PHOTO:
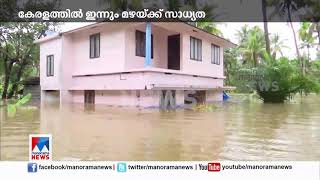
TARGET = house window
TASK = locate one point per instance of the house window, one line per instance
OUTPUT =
(215, 54)
(195, 49)
(50, 65)
(95, 46)
(141, 44)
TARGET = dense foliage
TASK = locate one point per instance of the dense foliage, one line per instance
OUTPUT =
(273, 77)
(281, 78)
(19, 55)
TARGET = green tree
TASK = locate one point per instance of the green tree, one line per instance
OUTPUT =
(306, 36)
(252, 46)
(231, 65)
(210, 27)
(264, 5)
(312, 14)
(277, 45)
(311, 10)
(208, 7)
(18, 53)
(265, 25)
(10, 8)
(242, 34)
(282, 79)
(307, 39)
(173, 5)
(315, 28)
(285, 8)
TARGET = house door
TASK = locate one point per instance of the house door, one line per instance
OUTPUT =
(89, 96)
(174, 52)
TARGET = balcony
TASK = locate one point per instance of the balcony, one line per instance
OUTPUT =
(146, 79)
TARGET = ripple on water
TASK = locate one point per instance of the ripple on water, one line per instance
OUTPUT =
(233, 131)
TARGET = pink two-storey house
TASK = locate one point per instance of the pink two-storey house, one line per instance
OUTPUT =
(132, 64)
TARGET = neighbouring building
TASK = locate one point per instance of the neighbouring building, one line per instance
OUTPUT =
(32, 86)
(133, 64)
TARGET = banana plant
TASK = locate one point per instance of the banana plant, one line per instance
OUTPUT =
(12, 108)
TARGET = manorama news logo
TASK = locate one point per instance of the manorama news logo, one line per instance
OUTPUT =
(40, 147)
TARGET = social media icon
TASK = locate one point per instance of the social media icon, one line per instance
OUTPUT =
(32, 167)
(215, 167)
(121, 167)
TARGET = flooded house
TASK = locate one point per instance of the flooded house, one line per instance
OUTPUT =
(133, 64)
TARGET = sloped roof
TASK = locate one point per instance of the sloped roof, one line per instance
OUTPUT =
(226, 42)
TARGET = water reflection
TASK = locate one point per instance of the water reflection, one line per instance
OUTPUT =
(234, 131)
(14, 139)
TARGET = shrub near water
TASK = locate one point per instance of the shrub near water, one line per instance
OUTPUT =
(204, 107)
(282, 79)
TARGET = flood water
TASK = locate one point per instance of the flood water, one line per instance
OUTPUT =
(236, 130)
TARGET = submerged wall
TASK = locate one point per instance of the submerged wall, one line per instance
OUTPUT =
(139, 98)
(214, 96)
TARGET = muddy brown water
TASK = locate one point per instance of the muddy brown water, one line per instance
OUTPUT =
(237, 130)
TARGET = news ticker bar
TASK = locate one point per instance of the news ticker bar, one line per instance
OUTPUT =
(154, 169)
(156, 11)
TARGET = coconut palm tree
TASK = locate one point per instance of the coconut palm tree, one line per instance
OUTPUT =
(286, 8)
(312, 14)
(243, 33)
(277, 45)
(173, 5)
(315, 27)
(264, 5)
(306, 37)
(253, 46)
(210, 27)
(308, 41)
(193, 5)
(265, 24)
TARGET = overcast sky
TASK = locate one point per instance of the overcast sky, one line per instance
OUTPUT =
(230, 30)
